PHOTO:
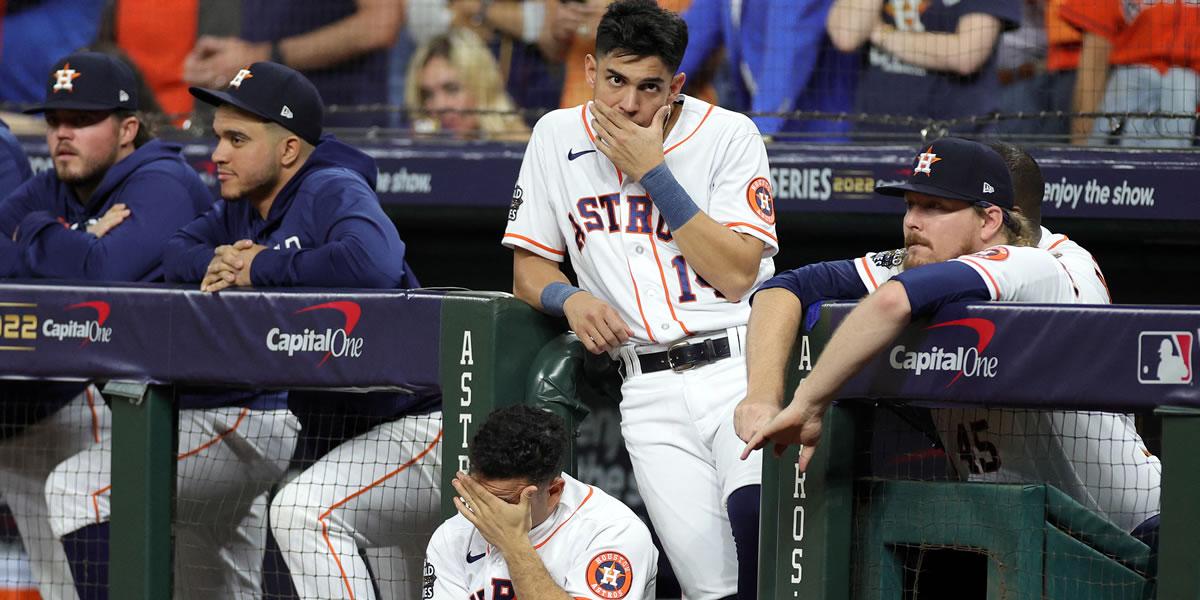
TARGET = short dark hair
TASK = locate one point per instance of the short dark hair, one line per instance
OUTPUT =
(519, 442)
(642, 28)
(1028, 185)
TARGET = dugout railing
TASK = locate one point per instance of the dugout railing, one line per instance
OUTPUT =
(832, 532)
(477, 347)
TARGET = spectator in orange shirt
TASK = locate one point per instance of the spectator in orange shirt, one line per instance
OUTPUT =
(1153, 48)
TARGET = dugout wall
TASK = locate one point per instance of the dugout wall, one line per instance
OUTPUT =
(476, 346)
(840, 530)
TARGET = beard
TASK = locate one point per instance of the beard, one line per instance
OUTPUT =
(251, 188)
(926, 254)
(83, 171)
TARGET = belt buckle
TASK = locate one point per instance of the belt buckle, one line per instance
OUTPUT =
(680, 367)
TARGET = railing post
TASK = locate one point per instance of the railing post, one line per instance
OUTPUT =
(1179, 529)
(144, 444)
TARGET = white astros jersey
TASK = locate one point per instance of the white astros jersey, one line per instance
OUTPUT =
(571, 201)
(1085, 273)
(593, 546)
(1096, 458)
(1010, 273)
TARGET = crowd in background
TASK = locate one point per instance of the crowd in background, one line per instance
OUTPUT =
(489, 68)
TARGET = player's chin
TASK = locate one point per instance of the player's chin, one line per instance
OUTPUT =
(917, 256)
(230, 190)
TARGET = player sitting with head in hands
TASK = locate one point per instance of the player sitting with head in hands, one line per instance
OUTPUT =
(663, 205)
(525, 529)
(965, 239)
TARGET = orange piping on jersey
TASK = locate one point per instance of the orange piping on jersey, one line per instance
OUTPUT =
(754, 227)
(867, 270)
(638, 296)
(985, 272)
(583, 117)
(1055, 244)
(591, 490)
(689, 136)
(325, 515)
(542, 246)
(95, 419)
(96, 501)
(202, 447)
(666, 290)
(192, 452)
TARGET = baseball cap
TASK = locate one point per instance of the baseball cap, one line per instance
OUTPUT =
(960, 170)
(276, 93)
(89, 81)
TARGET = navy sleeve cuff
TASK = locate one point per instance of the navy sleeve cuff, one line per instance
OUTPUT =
(833, 280)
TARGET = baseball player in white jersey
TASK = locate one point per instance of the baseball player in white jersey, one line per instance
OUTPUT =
(527, 530)
(1097, 458)
(663, 205)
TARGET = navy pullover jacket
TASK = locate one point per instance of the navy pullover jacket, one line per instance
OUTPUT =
(14, 165)
(161, 191)
(324, 229)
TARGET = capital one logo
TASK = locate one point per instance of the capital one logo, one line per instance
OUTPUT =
(335, 343)
(966, 361)
(87, 331)
(1165, 357)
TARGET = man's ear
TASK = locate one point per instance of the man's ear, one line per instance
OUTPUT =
(589, 69)
(677, 84)
(292, 147)
(127, 130)
(556, 487)
(990, 231)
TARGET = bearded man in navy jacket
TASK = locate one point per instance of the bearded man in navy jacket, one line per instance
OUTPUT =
(103, 213)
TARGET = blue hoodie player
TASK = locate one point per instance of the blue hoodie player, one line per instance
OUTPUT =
(300, 209)
(103, 213)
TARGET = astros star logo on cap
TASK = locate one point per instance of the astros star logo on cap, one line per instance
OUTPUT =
(241, 75)
(925, 161)
(64, 78)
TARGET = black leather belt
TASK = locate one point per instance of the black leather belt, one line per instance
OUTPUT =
(683, 355)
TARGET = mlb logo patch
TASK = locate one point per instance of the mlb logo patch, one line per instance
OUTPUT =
(1165, 357)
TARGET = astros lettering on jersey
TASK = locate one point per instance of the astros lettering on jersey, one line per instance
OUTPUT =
(592, 545)
(571, 201)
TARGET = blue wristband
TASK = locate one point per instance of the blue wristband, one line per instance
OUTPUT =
(555, 295)
(670, 197)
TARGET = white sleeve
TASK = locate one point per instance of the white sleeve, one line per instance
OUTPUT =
(620, 562)
(532, 223)
(876, 268)
(743, 195)
(443, 577)
(1022, 274)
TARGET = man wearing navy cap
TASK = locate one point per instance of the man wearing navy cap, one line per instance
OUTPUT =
(102, 214)
(963, 241)
(299, 209)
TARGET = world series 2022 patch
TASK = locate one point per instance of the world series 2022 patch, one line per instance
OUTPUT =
(610, 575)
(761, 200)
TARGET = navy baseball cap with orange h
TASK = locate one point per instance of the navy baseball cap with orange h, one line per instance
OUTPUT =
(274, 92)
(958, 169)
(89, 81)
